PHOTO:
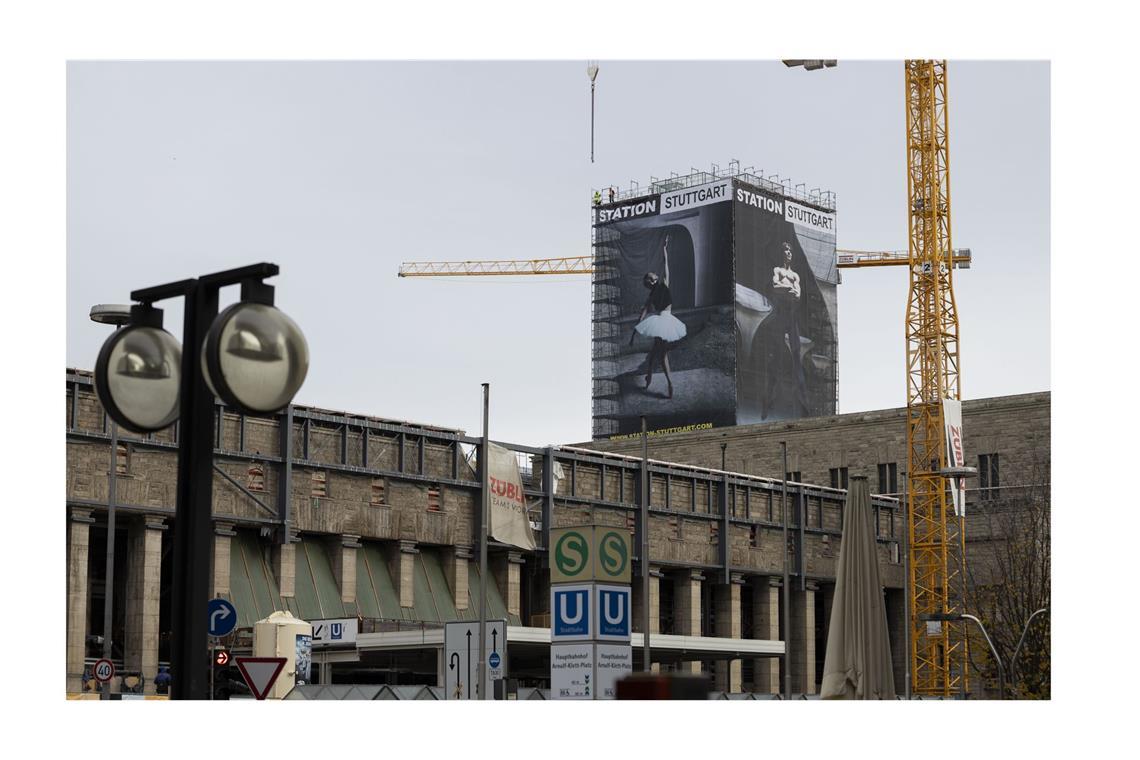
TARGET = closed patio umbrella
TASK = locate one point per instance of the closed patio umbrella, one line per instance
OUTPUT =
(858, 660)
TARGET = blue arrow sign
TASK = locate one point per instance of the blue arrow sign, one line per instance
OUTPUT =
(223, 617)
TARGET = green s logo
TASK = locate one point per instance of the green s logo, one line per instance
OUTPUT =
(613, 554)
(571, 553)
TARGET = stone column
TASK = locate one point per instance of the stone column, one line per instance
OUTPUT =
(687, 608)
(726, 597)
(285, 565)
(766, 625)
(507, 570)
(79, 534)
(458, 576)
(802, 638)
(654, 607)
(144, 586)
(344, 567)
(223, 532)
(403, 569)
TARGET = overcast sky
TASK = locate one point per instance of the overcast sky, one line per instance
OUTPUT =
(339, 171)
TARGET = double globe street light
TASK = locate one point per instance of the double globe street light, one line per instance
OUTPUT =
(254, 358)
(251, 356)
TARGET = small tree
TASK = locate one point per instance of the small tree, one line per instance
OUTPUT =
(1009, 572)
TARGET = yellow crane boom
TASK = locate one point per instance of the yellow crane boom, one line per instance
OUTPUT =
(584, 264)
(487, 268)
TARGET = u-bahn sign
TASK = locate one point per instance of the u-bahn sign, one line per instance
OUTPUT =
(588, 553)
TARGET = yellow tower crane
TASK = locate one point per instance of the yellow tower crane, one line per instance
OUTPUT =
(936, 534)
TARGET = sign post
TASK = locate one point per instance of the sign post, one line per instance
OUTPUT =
(466, 653)
(590, 611)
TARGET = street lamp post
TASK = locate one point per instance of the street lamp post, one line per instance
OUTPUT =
(117, 315)
(643, 550)
(952, 616)
(787, 588)
(251, 356)
(1020, 641)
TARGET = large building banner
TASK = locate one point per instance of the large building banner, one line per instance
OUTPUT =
(955, 454)
(663, 312)
(508, 518)
(785, 307)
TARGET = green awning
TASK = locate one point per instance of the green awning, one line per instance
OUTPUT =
(496, 608)
(253, 587)
(316, 589)
(376, 594)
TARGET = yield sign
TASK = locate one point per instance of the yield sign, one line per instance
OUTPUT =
(260, 673)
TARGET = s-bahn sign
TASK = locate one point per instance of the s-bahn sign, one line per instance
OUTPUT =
(588, 553)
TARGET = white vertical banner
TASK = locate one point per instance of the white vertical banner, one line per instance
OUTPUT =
(508, 520)
(955, 454)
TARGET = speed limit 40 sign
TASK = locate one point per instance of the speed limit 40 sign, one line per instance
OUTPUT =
(104, 670)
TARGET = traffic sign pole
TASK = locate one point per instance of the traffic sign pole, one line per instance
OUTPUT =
(485, 460)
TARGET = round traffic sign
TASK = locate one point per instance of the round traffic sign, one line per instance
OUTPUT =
(222, 616)
(104, 670)
(494, 660)
(221, 657)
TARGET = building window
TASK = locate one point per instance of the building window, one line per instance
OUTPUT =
(123, 459)
(255, 478)
(754, 536)
(839, 477)
(675, 528)
(714, 532)
(889, 478)
(794, 476)
(320, 486)
(631, 523)
(378, 488)
(988, 474)
(434, 502)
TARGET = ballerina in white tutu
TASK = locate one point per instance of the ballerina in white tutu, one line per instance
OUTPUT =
(657, 322)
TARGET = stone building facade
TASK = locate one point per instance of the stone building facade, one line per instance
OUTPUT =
(332, 515)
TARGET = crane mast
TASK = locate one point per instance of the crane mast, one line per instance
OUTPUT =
(936, 534)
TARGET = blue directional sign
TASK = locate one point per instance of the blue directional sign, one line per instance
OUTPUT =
(570, 612)
(613, 613)
(223, 617)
